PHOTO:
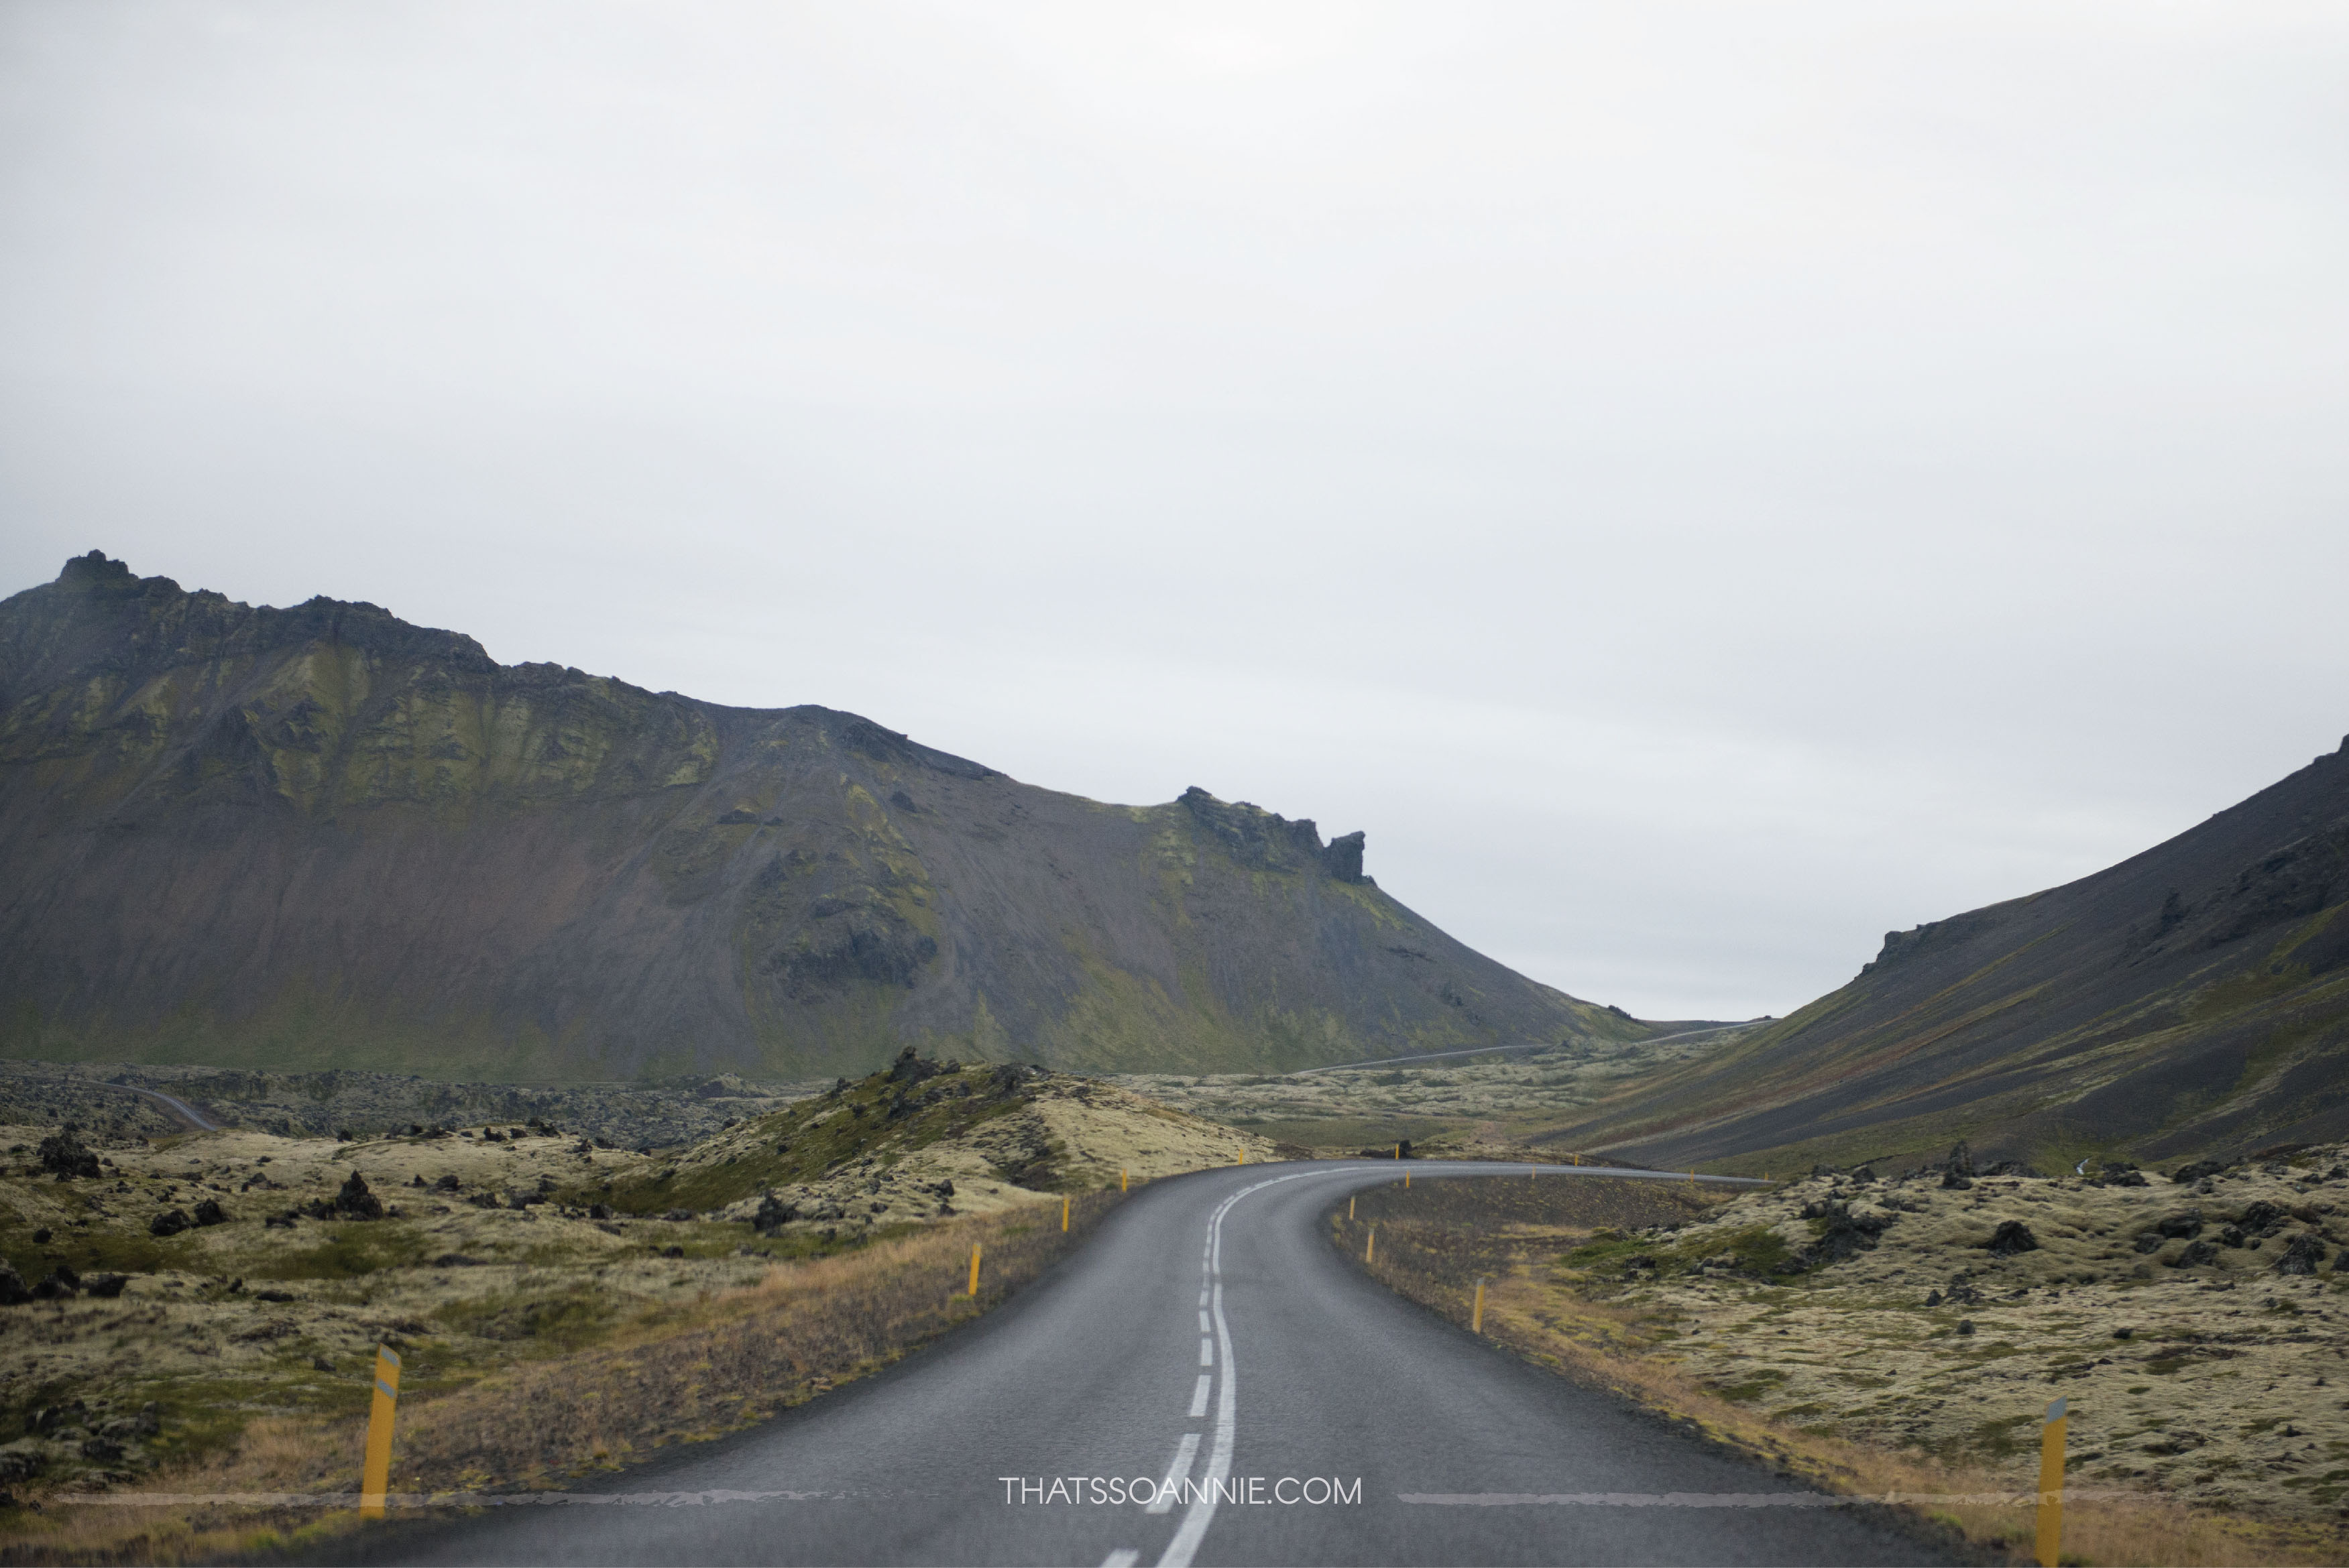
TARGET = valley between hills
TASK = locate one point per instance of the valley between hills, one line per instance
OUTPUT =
(356, 989)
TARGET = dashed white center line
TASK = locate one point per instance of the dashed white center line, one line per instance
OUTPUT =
(1204, 1326)
(1178, 1471)
(1199, 1396)
(1124, 1557)
(1206, 1353)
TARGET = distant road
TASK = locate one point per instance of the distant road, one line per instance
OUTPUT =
(173, 1103)
(1209, 1333)
(1490, 1050)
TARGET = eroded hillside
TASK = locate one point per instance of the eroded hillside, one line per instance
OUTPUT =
(2192, 999)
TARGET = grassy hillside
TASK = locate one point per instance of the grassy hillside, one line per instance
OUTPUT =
(321, 838)
(2191, 1000)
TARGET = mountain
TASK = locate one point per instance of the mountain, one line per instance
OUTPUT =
(2191, 1000)
(322, 837)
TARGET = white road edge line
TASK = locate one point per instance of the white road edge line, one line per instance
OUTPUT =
(1178, 1471)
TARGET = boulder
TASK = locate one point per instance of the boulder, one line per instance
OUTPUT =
(2012, 1237)
(106, 1286)
(57, 1285)
(210, 1212)
(354, 1202)
(169, 1224)
(13, 1291)
(63, 1155)
(2305, 1255)
(2261, 1219)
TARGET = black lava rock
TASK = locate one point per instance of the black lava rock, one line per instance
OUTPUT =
(63, 1155)
(2012, 1237)
(2305, 1255)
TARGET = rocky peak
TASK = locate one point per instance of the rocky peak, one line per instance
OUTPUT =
(1264, 839)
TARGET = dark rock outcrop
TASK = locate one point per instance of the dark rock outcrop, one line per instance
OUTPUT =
(62, 1154)
(2303, 1254)
(2011, 1238)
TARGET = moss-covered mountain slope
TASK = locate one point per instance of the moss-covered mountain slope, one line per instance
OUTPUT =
(321, 836)
(2193, 999)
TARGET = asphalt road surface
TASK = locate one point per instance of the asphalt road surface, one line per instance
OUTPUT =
(1208, 1332)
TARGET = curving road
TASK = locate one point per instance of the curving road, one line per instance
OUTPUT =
(1210, 1334)
(173, 1103)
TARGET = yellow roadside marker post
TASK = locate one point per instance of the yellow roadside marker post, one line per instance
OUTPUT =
(1371, 1245)
(974, 1270)
(1406, 1180)
(1350, 1205)
(1064, 1212)
(1476, 1318)
(1121, 1178)
(375, 1480)
(2051, 1486)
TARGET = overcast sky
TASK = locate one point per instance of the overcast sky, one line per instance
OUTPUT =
(1700, 484)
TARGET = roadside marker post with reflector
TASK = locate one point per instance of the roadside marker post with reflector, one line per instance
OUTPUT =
(376, 1480)
(2051, 1486)
(974, 1270)
(1476, 1318)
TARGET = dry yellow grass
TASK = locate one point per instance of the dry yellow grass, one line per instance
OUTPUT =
(677, 1374)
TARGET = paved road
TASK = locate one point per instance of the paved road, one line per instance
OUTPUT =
(1209, 1331)
(1490, 1050)
(173, 1102)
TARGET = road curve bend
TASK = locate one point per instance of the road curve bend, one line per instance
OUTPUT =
(1206, 1382)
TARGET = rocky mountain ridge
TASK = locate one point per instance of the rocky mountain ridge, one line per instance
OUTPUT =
(321, 836)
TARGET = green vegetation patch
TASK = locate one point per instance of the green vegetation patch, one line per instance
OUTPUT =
(1756, 1249)
(565, 1320)
(879, 1116)
(356, 1248)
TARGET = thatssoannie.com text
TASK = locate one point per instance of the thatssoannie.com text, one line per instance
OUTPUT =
(1287, 1491)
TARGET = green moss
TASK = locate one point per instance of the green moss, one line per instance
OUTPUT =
(563, 1321)
(354, 1249)
(802, 1142)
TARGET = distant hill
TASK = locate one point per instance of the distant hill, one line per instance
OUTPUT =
(2194, 999)
(321, 836)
